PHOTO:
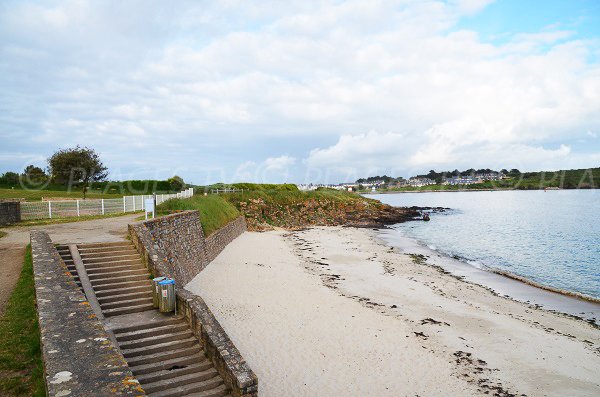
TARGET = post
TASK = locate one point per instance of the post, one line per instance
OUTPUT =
(124, 205)
(133, 197)
(77, 207)
(102, 201)
(154, 209)
(50, 209)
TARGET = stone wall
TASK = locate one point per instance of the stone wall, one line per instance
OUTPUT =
(10, 212)
(175, 246)
(237, 375)
(172, 245)
(216, 242)
(79, 357)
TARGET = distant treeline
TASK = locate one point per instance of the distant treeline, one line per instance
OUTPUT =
(43, 182)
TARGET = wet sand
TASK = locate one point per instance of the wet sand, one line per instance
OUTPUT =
(335, 311)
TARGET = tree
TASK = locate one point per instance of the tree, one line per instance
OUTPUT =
(176, 183)
(34, 174)
(10, 178)
(78, 165)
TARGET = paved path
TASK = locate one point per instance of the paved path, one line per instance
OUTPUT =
(12, 246)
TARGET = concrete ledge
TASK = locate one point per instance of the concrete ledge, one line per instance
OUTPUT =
(79, 357)
(228, 361)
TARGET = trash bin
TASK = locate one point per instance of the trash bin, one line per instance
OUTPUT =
(156, 290)
(167, 295)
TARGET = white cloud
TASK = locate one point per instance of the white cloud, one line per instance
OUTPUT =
(225, 80)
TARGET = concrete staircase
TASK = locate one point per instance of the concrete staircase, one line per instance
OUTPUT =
(159, 348)
(120, 281)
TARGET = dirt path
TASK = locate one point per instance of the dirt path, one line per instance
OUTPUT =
(12, 246)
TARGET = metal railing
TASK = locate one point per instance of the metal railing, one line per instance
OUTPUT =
(67, 208)
(227, 190)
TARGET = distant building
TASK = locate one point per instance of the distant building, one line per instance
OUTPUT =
(420, 182)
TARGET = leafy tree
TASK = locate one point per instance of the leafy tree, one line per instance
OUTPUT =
(78, 165)
(34, 174)
(176, 183)
(10, 178)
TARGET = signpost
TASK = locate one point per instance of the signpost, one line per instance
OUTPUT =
(149, 206)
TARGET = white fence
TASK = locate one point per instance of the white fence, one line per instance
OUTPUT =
(66, 208)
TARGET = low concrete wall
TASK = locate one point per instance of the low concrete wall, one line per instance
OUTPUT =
(216, 242)
(228, 361)
(79, 357)
(10, 212)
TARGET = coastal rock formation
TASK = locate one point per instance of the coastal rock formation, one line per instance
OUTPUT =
(261, 215)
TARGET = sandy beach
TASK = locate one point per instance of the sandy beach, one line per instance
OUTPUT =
(335, 311)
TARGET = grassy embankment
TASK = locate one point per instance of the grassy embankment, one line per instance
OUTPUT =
(21, 369)
(268, 207)
(563, 179)
(215, 211)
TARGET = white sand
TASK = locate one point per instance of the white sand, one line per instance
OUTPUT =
(329, 329)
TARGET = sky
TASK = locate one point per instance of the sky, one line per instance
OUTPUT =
(301, 91)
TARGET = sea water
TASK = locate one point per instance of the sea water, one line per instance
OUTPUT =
(549, 237)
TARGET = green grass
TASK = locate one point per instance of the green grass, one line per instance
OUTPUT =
(70, 219)
(294, 197)
(36, 195)
(215, 212)
(21, 368)
(2, 234)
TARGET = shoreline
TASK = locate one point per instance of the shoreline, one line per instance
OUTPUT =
(337, 311)
(502, 283)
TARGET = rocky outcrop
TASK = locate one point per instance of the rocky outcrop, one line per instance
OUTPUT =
(262, 215)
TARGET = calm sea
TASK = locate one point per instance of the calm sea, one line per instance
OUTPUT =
(552, 238)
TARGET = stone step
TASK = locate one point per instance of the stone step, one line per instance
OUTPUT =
(146, 333)
(156, 339)
(104, 245)
(107, 269)
(111, 258)
(164, 356)
(127, 310)
(167, 365)
(147, 326)
(212, 388)
(121, 284)
(109, 264)
(118, 273)
(120, 279)
(125, 297)
(210, 376)
(173, 372)
(123, 291)
(160, 347)
(87, 255)
(220, 391)
(126, 303)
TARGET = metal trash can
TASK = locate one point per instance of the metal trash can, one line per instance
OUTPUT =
(156, 290)
(167, 295)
